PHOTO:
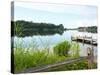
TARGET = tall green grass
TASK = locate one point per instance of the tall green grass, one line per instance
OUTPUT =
(33, 57)
(24, 60)
(62, 48)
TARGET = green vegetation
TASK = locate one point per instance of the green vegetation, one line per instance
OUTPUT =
(62, 48)
(29, 59)
(32, 57)
(81, 65)
(92, 29)
(75, 49)
(26, 28)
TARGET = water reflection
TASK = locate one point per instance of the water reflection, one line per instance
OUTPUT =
(42, 33)
(43, 40)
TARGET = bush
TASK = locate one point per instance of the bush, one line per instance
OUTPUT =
(62, 48)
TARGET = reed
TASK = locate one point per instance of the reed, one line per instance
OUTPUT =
(24, 60)
(30, 57)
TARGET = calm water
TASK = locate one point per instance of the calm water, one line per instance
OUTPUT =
(52, 40)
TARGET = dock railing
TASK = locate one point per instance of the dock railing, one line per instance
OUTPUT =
(84, 39)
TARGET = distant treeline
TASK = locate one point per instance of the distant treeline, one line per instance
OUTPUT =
(92, 29)
(28, 28)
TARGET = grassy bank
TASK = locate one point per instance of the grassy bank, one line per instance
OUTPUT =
(24, 60)
(32, 57)
(82, 65)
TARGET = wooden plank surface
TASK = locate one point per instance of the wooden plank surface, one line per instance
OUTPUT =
(86, 40)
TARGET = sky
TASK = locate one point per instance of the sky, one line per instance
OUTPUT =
(71, 16)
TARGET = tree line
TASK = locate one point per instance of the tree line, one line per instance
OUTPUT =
(92, 29)
(22, 28)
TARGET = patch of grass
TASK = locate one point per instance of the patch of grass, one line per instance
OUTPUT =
(32, 57)
(62, 48)
(24, 59)
(82, 65)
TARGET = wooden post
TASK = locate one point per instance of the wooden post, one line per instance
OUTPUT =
(71, 38)
(92, 50)
(91, 41)
(83, 40)
(90, 58)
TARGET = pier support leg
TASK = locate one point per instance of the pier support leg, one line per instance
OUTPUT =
(90, 59)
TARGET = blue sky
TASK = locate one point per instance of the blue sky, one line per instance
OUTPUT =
(71, 16)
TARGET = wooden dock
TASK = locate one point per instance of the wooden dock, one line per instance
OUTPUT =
(84, 39)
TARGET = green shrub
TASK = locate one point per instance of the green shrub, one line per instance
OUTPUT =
(62, 48)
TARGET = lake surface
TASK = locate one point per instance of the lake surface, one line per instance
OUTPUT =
(48, 41)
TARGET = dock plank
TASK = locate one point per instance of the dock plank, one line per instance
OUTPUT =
(85, 39)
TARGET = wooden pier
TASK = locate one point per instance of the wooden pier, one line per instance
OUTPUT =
(84, 39)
